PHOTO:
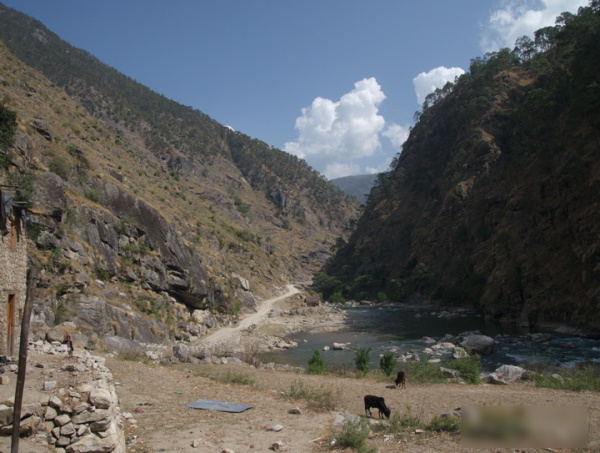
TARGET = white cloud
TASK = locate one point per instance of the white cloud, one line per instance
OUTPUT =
(331, 135)
(337, 170)
(384, 166)
(427, 82)
(396, 134)
(522, 17)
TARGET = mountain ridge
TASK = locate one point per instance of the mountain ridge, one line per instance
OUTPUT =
(153, 199)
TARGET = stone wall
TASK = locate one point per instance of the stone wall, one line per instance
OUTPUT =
(71, 406)
(13, 282)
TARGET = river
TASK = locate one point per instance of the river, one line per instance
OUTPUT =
(401, 330)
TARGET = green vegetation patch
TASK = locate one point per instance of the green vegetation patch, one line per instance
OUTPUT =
(234, 377)
(583, 378)
(424, 372)
(362, 356)
(321, 398)
(469, 368)
(388, 363)
(316, 365)
(353, 435)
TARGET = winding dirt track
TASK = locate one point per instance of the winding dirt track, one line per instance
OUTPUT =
(226, 334)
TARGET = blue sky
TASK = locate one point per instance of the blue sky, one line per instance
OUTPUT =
(335, 82)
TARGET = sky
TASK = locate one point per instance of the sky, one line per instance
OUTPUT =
(335, 82)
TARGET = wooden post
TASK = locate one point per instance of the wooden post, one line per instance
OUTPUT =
(31, 279)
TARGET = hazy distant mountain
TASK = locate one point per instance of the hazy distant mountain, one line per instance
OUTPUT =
(358, 186)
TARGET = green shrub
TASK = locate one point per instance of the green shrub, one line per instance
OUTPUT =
(324, 399)
(316, 365)
(102, 273)
(337, 298)
(469, 368)
(388, 363)
(8, 127)
(449, 424)
(62, 313)
(425, 372)
(25, 185)
(93, 195)
(56, 262)
(354, 435)
(361, 360)
(399, 423)
(235, 377)
(61, 166)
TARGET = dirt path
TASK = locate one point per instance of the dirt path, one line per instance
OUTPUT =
(229, 334)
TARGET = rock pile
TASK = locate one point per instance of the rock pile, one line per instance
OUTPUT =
(81, 411)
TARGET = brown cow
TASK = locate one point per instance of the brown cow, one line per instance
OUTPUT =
(401, 379)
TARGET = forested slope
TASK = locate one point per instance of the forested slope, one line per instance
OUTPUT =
(494, 201)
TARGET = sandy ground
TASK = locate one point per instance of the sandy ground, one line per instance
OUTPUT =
(157, 395)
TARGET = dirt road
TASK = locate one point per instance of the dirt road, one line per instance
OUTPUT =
(232, 334)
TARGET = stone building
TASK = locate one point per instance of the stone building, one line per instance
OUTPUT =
(13, 274)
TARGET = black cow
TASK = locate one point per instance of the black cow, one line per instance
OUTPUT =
(376, 402)
(401, 379)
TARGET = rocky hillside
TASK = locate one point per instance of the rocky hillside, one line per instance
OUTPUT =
(147, 212)
(494, 201)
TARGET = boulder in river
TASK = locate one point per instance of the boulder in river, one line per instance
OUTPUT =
(480, 344)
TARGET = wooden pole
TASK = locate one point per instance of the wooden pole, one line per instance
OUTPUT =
(31, 279)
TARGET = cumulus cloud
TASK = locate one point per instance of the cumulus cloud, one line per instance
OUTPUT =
(523, 17)
(332, 135)
(338, 169)
(384, 166)
(396, 134)
(427, 82)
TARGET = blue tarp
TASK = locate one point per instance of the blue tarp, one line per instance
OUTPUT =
(221, 406)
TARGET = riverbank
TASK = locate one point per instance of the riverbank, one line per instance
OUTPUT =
(270, 326)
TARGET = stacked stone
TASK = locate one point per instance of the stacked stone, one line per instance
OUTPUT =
(86, 418)
(30, 418)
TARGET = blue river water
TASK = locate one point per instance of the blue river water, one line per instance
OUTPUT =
(401, 330)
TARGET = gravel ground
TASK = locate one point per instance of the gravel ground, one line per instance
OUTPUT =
(167, 425)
